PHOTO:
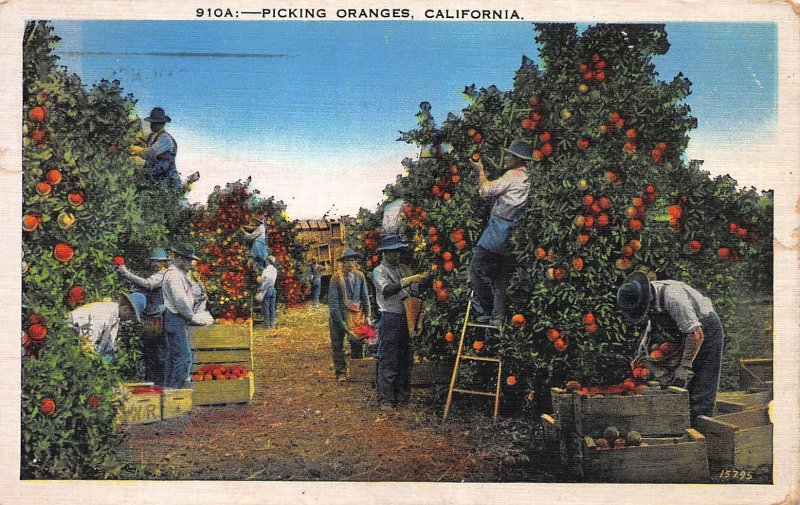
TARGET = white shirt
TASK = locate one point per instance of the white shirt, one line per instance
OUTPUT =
(99, 323)
(268, 277)
(511, 190)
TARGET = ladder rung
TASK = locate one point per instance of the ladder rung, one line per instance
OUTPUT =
(467, 391)
(477, 358)
(478, 325)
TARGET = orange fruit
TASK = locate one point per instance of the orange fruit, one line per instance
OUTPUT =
(511, 380)
(448, 337)
(560, 345)
(657, 355)
(437, 284)
(518, 321)
(30, 222)
(448, 266)
(43, 188)
(553, 334)
(53, 176)
(63, 252)
(477, 346)
(539, 252)
(446, 256)
(589, 318)
(38, 114)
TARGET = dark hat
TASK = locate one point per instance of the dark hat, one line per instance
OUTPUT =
(160, 255)
(185, 250)
(157, 115)
(520, 150)
(349, 254)
(633, 297)
(390, 241)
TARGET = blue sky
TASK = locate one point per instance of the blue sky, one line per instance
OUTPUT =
(314, 108)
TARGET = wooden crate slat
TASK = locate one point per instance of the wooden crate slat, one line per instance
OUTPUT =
(755, 372)
(737, 401)
(221, 336)
(753, 447)
(222, 356)
(657, 413)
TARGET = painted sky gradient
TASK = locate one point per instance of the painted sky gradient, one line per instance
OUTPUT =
(313, 116)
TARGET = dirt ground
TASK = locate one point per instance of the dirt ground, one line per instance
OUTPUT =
(302, 425)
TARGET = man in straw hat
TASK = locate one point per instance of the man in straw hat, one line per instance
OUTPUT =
(159, 152)
(181, 296)
(490, 264)
(348, 307)
(692, 326)
(149, 306)
(267, 294)
(394, 357)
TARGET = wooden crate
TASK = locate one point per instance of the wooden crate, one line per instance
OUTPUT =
(737, 401)
(676, 460)
(424, 373)
(175, 402)
(221, 392)
(222, 344)
(137, 408)
(755, 373)
(659, 412)
(741, 439)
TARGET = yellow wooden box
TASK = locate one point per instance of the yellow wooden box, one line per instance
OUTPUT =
(741, 439)
(138, 408)
(221, 392)
(175, 402)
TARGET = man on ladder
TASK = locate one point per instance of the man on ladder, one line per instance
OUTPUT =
(490, 265)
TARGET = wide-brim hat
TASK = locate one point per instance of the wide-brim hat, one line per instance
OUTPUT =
(157, 115)
(185, 250)
(520, 150)
(349, 254)
(391, 241)
(160, 255)
(633, 297)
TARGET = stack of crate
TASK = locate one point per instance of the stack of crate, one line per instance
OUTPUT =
(225, 345)
(740, 435)
(144, 403)
(671, 452)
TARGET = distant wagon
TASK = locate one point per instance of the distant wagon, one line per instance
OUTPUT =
(324, 239)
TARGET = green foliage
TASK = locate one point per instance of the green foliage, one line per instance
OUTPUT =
(610, 192)
(84, 201)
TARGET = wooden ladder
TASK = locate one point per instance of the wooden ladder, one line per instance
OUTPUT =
(460, 356)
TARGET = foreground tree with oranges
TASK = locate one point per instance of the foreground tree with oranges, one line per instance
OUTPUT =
(610, 192)
(226, 266)
(84, 202)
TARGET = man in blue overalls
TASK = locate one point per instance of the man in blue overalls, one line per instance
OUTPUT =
(688, 318)
(490, 265)
(159, 154)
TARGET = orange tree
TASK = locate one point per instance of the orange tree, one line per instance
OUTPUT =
(226, 265)
(610, 192)
(82, 204)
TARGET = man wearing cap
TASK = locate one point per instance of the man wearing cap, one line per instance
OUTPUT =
(688, 318)
(159, 152)
(490, 265)
(180, 299)
(259, 249)
(267, 293)
(394, 357)
(149, 307)
(348, 306)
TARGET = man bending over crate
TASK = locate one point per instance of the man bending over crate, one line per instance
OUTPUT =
(688, 318)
